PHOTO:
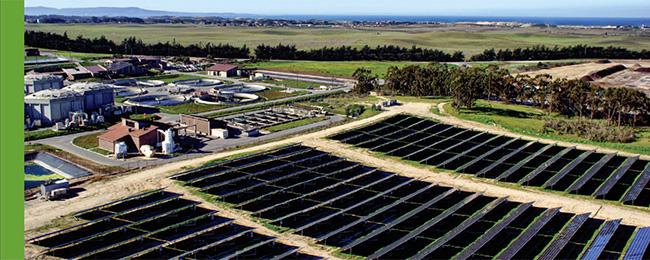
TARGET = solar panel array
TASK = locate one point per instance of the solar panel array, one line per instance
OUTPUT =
(160, 225)
(530, 163)
(376, 214)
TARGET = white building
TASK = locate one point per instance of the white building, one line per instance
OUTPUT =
(38, 82)
(47, 107)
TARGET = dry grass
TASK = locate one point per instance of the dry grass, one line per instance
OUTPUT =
(470, 40)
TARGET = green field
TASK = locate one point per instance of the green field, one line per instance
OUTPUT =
(278, 93)
(169, 78)
(90, 142)
(294, 124)
(447, 39)
(530, 121)
(330, 68)
(289, 83)
(190, 108)
(79, 55)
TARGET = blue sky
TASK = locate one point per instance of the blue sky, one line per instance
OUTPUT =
(558, 8)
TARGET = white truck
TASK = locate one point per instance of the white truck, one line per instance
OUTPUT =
(52, 190)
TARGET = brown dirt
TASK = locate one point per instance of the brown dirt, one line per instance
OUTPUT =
(633, 77)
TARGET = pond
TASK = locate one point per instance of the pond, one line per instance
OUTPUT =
(36, 174)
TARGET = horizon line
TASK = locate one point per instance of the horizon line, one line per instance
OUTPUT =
(354, 14)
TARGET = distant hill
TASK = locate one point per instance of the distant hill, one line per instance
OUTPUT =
(123, 11)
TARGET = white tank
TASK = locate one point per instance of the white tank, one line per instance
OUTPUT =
(121, 149)
(147, 150)
(168, 145)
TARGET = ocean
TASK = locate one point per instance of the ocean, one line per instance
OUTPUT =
(585, 21)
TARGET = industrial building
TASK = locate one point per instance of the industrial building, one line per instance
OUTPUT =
(46, 107)
(32, 52)
(97, 71)
(133, 133)
(205, 126)
(77, 73)
(223, 70)
(38, 82)
(96, 95)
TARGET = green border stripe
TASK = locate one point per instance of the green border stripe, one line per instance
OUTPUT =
(11, 131)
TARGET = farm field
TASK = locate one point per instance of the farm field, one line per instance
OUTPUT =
(469, 40)
(361, 211)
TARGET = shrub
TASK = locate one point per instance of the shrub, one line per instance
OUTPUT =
(591, 130)
(354, 110)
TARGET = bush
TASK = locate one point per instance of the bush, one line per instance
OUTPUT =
(591, 130)
(354, 110)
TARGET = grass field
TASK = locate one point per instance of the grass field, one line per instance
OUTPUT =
(169, 78)
(278, 93)
(79, 55)
(47, 133)
(33, 58)
(294, 124)
(530, 121)
(292, 83)
(330, 68)
(190, 108)
(90, 142)
(447, 39)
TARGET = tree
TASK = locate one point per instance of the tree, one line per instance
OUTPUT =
(354, 110)
(467, 88)
(366, 81)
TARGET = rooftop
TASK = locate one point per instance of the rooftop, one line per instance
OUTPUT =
(88, 86)
(222, 67)
(77, 70)
(120, 130)
(42, 76)
(96, 69)
(53, 94)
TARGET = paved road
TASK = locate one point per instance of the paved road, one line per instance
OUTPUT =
(271, 102)
(210, 146)
(64, 143)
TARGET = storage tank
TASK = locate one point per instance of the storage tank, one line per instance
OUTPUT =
(121, 149)
(168, 145)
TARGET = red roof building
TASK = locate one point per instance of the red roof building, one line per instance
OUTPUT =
(97, 71)
(135, 134)
(223, 70)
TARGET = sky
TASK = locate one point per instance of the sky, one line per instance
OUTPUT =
(546, 8)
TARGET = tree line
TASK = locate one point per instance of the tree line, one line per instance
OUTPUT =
(465, 85)
(348, 53)
(542, 52)
(132, 46)
(135, 46)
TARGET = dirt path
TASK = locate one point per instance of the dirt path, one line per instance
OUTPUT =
(521, 194)
(39, 213)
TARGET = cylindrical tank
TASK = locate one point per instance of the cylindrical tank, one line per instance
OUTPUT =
(121, 149)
